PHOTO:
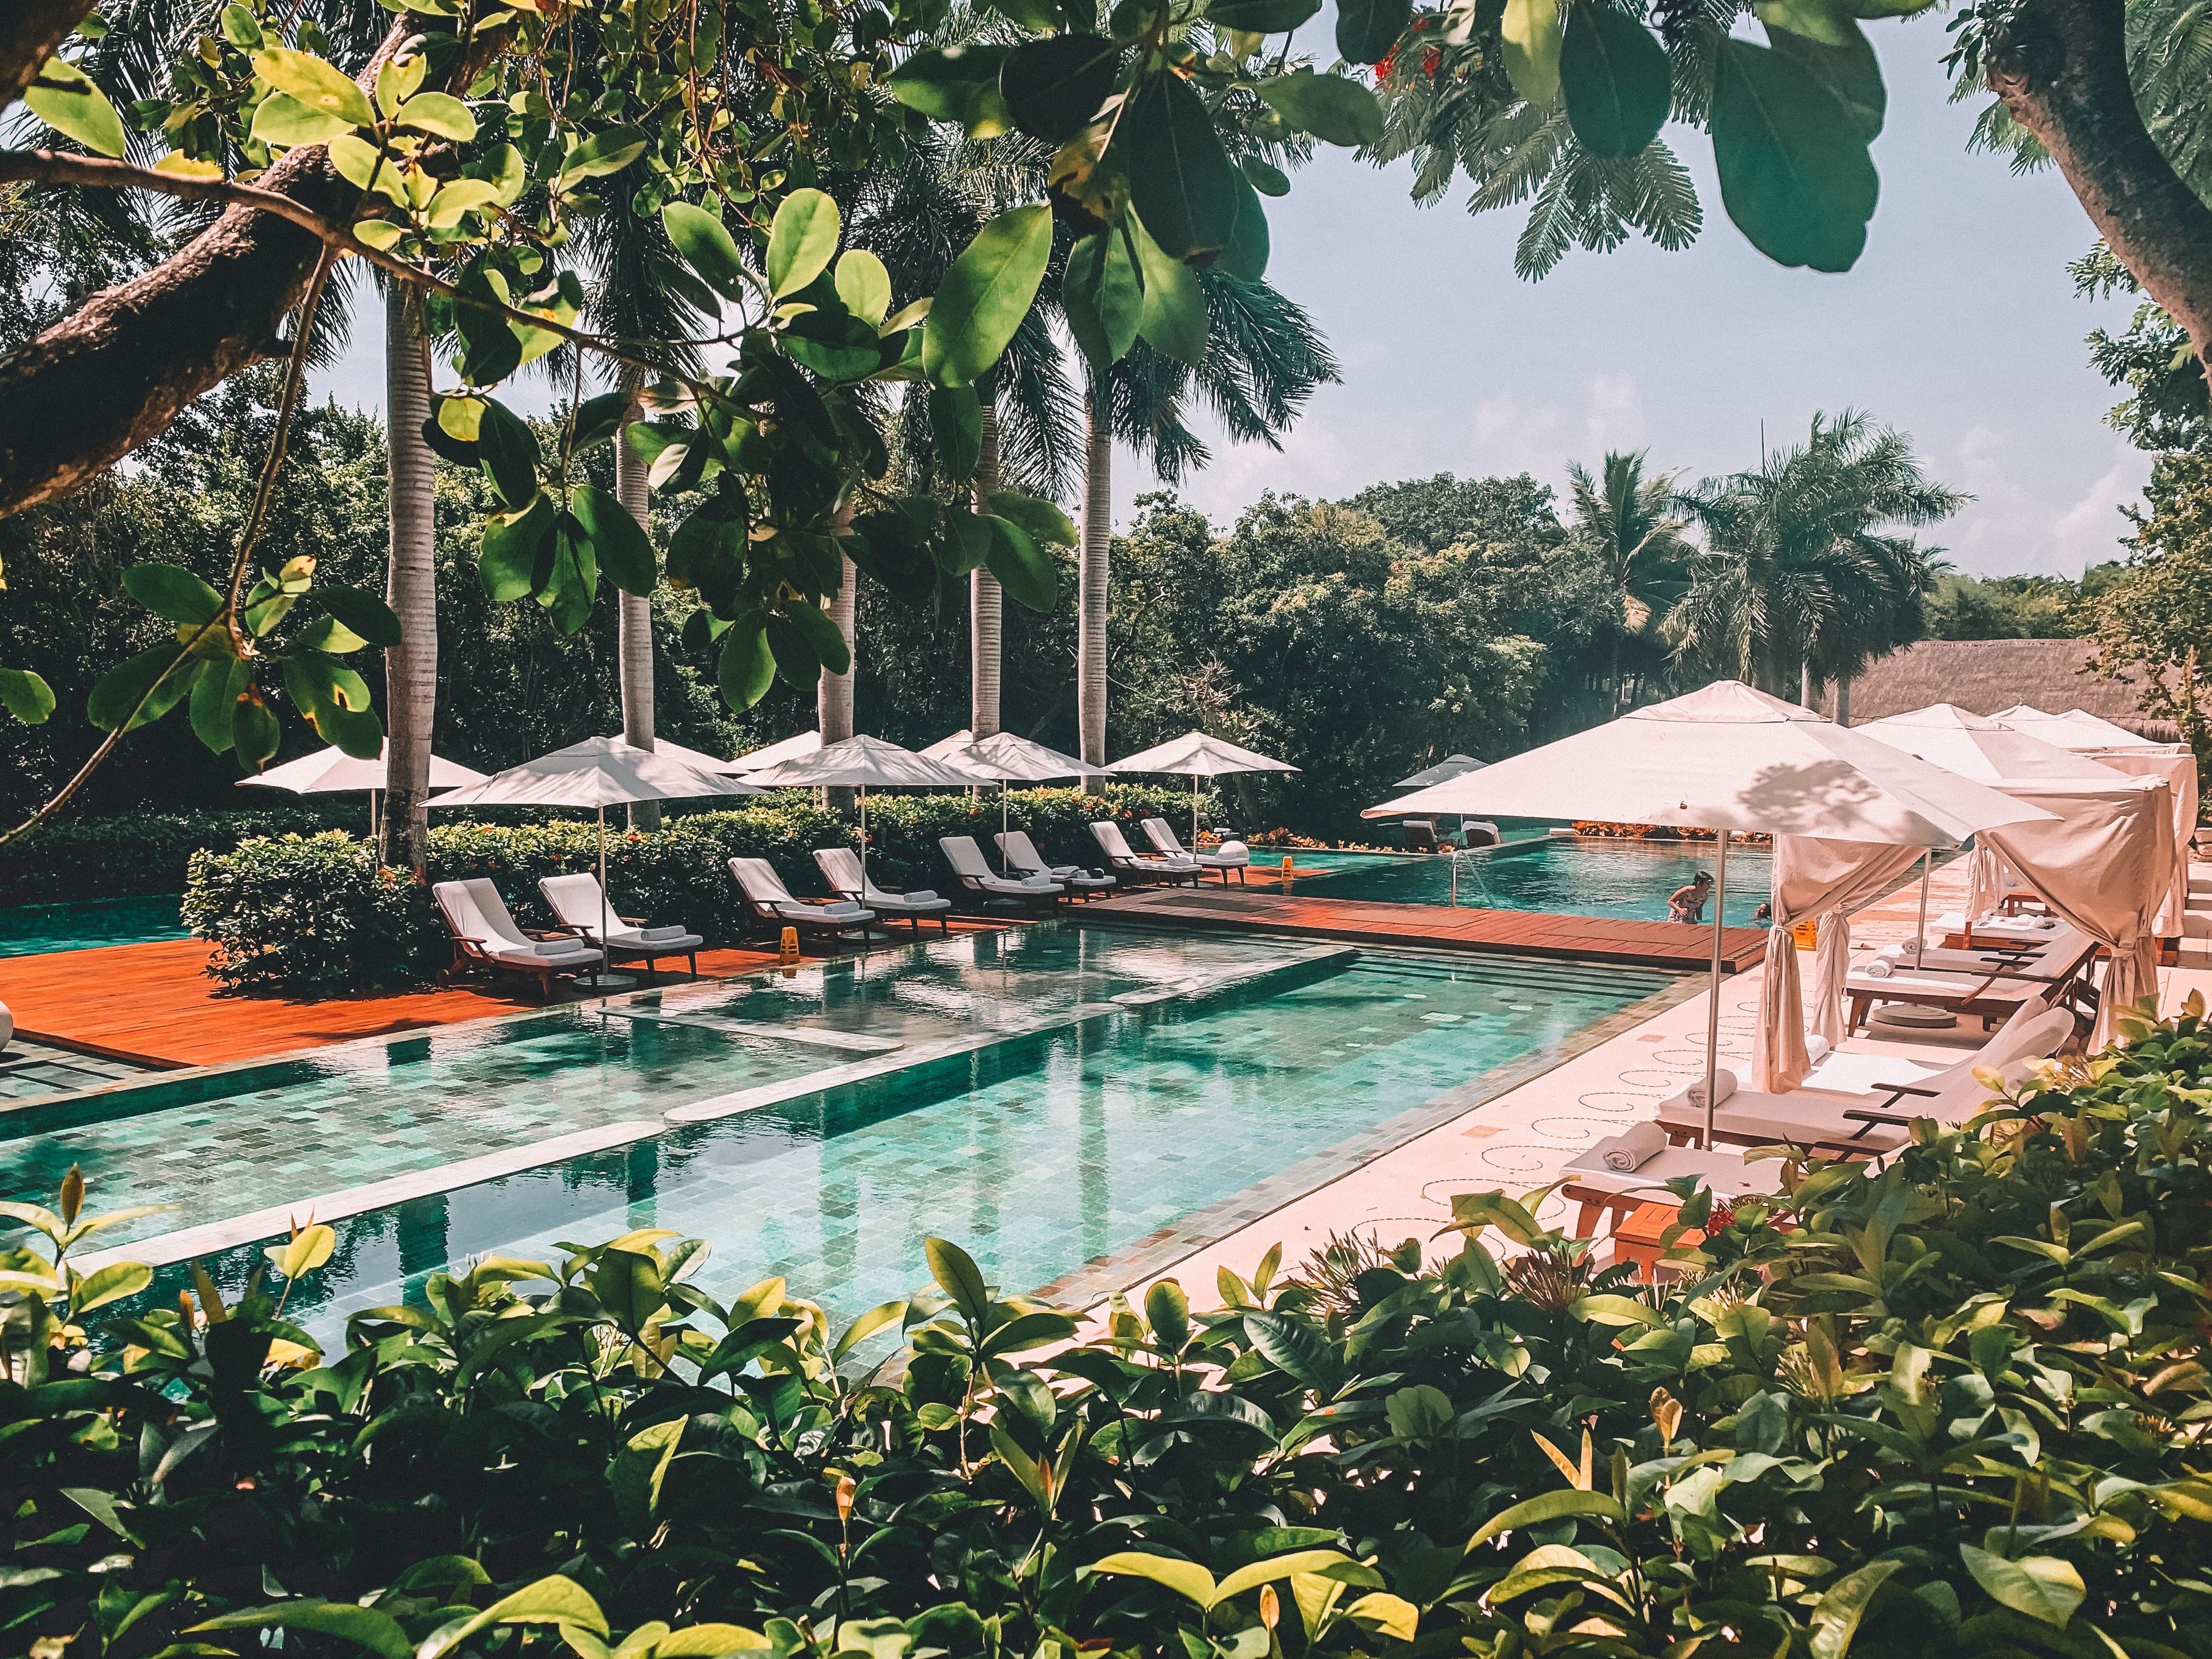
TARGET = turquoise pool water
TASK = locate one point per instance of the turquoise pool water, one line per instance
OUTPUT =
(27, 930)
(1043, 1153)
(1563, 878)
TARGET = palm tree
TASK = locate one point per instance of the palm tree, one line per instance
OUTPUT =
(1264, 358)
(1621, 521)
(1798, 584)
(410, 668)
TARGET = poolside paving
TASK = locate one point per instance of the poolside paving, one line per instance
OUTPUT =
(153, 1005)
(1523, 933)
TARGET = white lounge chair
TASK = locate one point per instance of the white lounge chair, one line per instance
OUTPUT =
(769, 900)
(577, 901)
(840, 868)
(484, 935)
(1876, 1123)
(1023, 860)
(1989, 992)
(1232, 855)
(1629, 1171)
(976, 875)
(1123, 862)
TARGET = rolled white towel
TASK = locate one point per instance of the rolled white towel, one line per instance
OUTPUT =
(1880, 968)
(1694, 1097)
(1818, 1048)
(1627, 1153)
(1892, 951)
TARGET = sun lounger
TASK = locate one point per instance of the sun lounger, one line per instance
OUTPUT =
(1232, 855)
(484, 935)
(577, 902)
(1419, 835)
(1988, 992)
(1628, 1171)
(967, 862)
(841, 867)
(1874, 1123)
(1123, 862)
(1023, 860)
(768, 899)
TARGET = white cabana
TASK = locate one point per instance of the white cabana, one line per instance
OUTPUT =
(1194, 755)
(2077, 728)
(1977, 746)
(597, 772)
(2177, 767)
(334, 772)
(1730, 758)
(863, 763)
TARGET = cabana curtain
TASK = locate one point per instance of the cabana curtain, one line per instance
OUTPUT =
(2178, 768)
(1828, 879)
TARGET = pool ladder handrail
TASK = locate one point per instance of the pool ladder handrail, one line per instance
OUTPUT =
(1487, 903)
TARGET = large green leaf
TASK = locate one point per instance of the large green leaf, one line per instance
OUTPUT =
(1529, 33)
(555, 1600)
(1182, 182)
(366, 1627)
(216, 689)
(796, 662)
(1054, 87)
(147, 683)
(286, 123)
(1173, 318)
(1296, 1349)
(984, 297)
(745, 670)
(1334, 109)
(1614, 72)
(509, 452)
(1046, 524)
(514, 545)
(1546, 1506)
(1246, 256)
(624, 550)
(362, 611)
(955, 83)
(705, 245)
(1794, 169)
(26, 695)
(955, 430)
(1836, 1616)
(1021, 566)
(172, 591)
(2045, 1587)
(1261, 16)
(959, 1278)
(306, 79)
(802, 240)
(438, 113)
(1185, 1578)
(831, 649)
(1367, 30)
(64, 98)
(1102, 297)
(1848, 69)
(254, 731)
(602, 153)
(864, 284)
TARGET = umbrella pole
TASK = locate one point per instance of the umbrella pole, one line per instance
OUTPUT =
(604, 957)
(1004, 825)
(1713, 996)
(1920, 938)
(1193, 811)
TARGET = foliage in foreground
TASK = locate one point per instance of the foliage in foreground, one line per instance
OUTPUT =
(316, 915)
(1960, 1404)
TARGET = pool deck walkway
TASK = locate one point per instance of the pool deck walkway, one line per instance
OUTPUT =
(1523, 933)
(154, 1005)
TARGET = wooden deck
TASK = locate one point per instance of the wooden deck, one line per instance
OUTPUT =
(154, 1005)
(1526, 932)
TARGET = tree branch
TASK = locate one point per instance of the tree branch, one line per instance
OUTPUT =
(30, 37)
(2060, 69)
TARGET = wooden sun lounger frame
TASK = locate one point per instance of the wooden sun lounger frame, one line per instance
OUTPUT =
(1974, 996)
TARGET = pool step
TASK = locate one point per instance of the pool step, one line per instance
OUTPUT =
(813, 1036)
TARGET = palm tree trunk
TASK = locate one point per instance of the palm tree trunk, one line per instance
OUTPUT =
(634, 626)
(833, 693)
(410, 668)
(1091, 579)
(986, 602)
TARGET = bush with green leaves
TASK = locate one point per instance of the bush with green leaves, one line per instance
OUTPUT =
(1958, 1404)
(131, 854)
(315, 914)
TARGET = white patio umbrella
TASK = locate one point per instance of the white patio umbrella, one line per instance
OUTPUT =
(773, 754)
(334, 772)
(1450, 767)
(1729, 758)
(1194, 756)
(1009, 758)
(862, 762)
(948, 746)
(2077, 728)
(598, 773)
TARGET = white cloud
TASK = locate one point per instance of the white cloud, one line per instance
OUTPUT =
(2088, 532)
(1614, 414)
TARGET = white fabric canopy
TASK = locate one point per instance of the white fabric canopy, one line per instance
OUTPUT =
(863, 763)
(1195, 754)
(2077, 728)
(948, 746)
(334, 772)
(1828, 879)
(1975, 746)
(2102, 861)
(1452, 766)
(1011, 759)
(1728, 757)
(598, 772)
(2178, 767)
(775, 753)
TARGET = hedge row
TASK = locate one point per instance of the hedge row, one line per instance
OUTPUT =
(133, 854)
(315, 914)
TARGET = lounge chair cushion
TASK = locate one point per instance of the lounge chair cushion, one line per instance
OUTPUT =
(1729, 1175)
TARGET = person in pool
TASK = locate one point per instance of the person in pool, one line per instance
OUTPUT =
(1687, 902)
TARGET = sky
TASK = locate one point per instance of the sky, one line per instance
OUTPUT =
(1959, 325)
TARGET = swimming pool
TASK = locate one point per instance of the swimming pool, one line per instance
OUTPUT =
(1194, 1105)
(1576, 878)
(28, 930)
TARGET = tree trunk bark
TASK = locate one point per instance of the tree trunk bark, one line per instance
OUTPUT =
(30, 38)
(1844, 701)
(1091, 580)
(833, 693)
(2060, 69)
(112, 375)
(634, 626)
(986, 603)
(410, 668)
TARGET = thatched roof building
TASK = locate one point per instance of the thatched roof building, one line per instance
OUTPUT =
(1987, 675)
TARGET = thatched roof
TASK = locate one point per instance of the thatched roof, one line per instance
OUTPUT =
(1987, 675)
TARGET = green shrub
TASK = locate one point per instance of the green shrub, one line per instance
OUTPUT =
(1959, 1407)
(311, 916)
(137, 853)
